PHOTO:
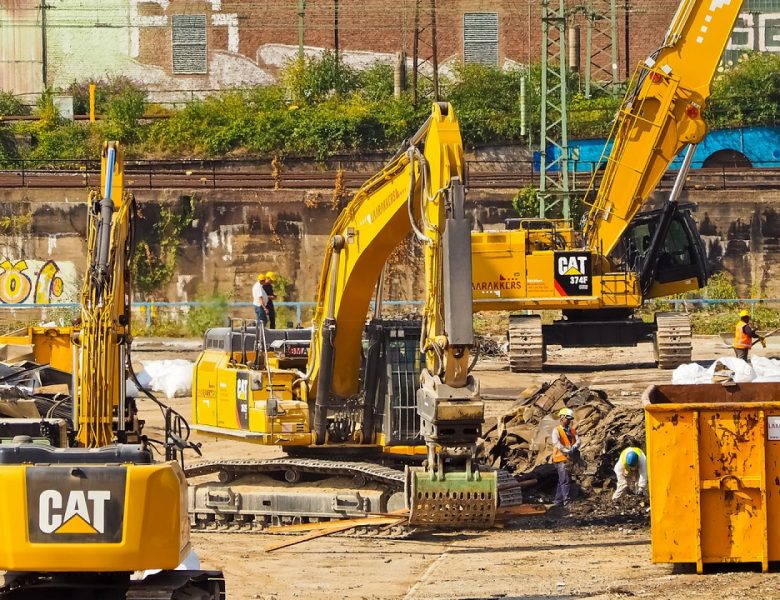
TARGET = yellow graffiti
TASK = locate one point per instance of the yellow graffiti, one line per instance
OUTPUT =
(16, 284)
(48, 286)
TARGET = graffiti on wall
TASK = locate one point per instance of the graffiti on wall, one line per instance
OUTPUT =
(756, 31)
(36, 281)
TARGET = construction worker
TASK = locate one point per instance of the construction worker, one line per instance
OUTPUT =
(566, 444)
(744, 335)
(260, 300)
(268, 286)
(631, 472)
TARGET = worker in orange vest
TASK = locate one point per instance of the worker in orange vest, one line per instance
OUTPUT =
(566, 444)
(744, 335)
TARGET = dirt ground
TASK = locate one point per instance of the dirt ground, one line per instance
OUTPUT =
(555, 556)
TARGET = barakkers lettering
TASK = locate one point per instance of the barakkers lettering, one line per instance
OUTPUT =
(491, 286)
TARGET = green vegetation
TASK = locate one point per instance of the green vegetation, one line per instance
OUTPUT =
(212, 313)
(711, 319)
(321, 108)
(154, 258)
(747, 93)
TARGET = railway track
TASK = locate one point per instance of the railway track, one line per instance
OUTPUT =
(198, 176)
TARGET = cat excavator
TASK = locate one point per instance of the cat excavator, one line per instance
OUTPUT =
(380, 415)
(599, 275)
(88, 513)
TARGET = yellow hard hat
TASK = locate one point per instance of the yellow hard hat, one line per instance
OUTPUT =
(261, 277)
(270, 275)
(566, 412)
(744, 313)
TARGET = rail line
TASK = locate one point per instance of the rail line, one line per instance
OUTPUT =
(515, 176)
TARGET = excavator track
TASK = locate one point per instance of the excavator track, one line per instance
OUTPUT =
(220, 506)
(164, 585)
(673, 342)
(526, 344)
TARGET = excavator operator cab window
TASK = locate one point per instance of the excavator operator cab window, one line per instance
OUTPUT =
(678, 258)
(677, 250)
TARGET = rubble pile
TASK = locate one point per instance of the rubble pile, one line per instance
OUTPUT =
(520, 440)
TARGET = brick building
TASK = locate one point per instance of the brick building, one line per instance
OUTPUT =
(180, 47)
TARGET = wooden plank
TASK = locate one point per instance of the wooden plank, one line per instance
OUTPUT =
(521, 510)
(335, 527)
(381, 520)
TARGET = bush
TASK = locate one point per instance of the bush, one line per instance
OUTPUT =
(487, 102)
(720, 287)
(592, 117)
(212, 313)
(10, 105)
(747, 93)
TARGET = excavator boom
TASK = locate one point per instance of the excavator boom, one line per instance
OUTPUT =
(660, 115)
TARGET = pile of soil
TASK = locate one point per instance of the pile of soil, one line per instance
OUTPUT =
(520, 440)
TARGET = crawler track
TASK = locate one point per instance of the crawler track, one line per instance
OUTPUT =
(526, 344)
(673, 341)
(220, 506)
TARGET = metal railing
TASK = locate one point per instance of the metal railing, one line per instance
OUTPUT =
(150, 309)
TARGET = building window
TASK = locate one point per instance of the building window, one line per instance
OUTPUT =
(480, 38)
(189, 44)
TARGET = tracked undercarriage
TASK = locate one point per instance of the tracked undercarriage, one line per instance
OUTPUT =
(254, 495)
(165, 585)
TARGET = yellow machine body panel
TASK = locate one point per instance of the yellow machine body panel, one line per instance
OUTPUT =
(664, 290)
(100, 518)
(233, 397)
(506, 275)
(49, 345)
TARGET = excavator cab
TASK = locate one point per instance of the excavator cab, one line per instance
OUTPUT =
(674, 265)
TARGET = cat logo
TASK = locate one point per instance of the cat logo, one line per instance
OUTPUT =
(573, 274)
(75, 505)
(572, 265)
(82, 512)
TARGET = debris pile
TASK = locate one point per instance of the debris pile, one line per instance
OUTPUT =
(520, 440)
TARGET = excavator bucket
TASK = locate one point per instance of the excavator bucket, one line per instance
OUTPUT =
(457, 499)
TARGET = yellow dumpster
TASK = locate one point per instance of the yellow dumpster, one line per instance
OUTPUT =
(713, 454)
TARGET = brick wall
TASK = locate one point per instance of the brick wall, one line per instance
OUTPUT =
(387, 27)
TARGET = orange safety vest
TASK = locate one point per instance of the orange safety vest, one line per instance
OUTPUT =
(559, 456)
(742, 339)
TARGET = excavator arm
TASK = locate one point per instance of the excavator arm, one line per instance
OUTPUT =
(103, 336)
(411, 195)
(419, 192)
(661, 114)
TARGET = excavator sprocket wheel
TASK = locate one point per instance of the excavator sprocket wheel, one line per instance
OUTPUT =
(526, 345)
(673, 342)
(458, 501)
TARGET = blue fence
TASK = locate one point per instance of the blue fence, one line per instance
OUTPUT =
(150, 308)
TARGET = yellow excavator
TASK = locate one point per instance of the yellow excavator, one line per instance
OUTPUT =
(90, 516)
(599, 275)
(378, 416)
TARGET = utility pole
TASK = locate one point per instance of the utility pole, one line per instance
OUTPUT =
(336, 74)
(301, 15)
(44, 52)
(424, 51)
(601, 46)
(627, 27)
(554, 136)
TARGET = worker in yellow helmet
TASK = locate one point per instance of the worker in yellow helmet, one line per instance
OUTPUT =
(260, 300)
(744, 335)
(566, 444)
(268, 286)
